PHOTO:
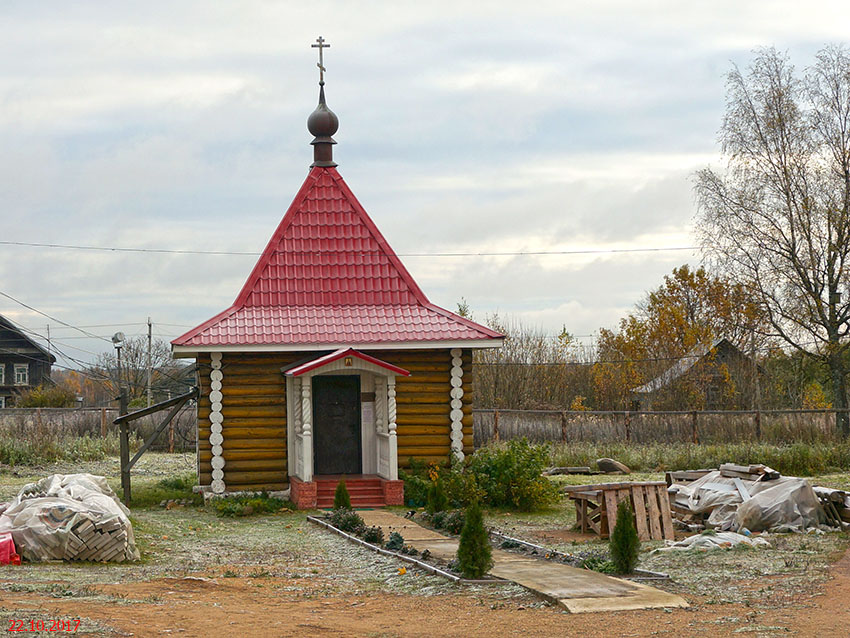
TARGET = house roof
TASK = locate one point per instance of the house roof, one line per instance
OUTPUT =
(329, 278)
(308, 366)
(683, 365)
(9, 325)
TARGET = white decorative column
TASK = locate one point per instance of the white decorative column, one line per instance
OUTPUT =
(297, 456)
(380, 404)
(306, 431)
(457, 404)
(216, 420)
(392, 450)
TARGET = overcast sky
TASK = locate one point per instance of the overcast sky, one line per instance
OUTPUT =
(464, 127)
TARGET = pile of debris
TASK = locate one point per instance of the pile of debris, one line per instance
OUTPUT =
(69, 517)
(751, 498)
(836, 506)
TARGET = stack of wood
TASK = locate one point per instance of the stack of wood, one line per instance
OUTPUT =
(684, 476)
(836, 506)
(756, 472)
(98, 540)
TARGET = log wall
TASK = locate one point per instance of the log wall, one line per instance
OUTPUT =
(254, 427)
(254, 411)
(424, 403)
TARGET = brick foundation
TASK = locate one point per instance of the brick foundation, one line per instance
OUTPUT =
(303, 495)
(393, 492)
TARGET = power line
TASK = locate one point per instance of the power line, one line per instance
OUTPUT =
(44, 314)
(518, 253)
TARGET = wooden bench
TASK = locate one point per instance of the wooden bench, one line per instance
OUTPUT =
(596, 508)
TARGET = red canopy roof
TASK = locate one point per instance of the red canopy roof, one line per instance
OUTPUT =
(329, 278)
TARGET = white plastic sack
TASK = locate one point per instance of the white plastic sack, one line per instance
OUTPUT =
(714, 540)
(49, 518)
(791, 505)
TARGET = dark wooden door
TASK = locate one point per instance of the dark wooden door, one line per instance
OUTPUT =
(336, 427)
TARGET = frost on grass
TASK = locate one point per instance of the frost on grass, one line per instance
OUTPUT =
(780, 575)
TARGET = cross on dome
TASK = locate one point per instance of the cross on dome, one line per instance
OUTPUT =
(321, 63)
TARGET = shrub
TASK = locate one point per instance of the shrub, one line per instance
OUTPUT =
(415, 488)
(47, 396)
(438, 519)
(395, 543)
(598, 561)
(454, 521)
(374, 535)
(624, 543)
(437, 500)
(461, 486)
(346, 520)
(474, 554)
(248, 505)
(509, 475)
(342, 500)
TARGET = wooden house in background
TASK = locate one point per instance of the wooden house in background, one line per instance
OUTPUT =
(709, 377)
(331, 361)
(24, 364)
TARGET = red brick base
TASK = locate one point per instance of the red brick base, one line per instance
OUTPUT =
(393, 492)
(302, 494)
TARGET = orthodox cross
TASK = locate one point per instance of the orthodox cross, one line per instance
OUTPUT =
(321, 45)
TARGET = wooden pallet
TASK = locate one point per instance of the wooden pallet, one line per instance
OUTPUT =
(596, 508)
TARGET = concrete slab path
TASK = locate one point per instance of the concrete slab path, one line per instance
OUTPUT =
(577, 590)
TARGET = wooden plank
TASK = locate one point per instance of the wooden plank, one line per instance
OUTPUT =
(414, 410)
(242, 455)
(640, 512)
(253, 464)
(666, 516)
(253, 444)
(610, 512)
(742, 490)
(655, 532)
(435, 451)
(405, 430)
(243, 477)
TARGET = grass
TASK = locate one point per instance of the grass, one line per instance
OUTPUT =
(796, 459)
(51, 447)
(177, 488)
(250, 505)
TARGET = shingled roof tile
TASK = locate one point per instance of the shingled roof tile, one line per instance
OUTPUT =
(328, 276)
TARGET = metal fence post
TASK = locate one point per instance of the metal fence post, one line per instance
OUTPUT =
(628, 427)
(495, 425)
(564, 427)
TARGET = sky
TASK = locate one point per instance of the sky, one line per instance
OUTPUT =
(464, 128)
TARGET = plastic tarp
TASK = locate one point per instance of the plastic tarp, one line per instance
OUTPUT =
(43, 516)
(783, 504)
(788, 505)
(714, 540)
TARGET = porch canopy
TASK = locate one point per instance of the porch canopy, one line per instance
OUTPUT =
(379, 446)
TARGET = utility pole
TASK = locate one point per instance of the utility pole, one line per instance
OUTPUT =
(48, 338)
(150, 371)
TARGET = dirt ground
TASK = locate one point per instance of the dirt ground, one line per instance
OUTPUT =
(280, 575)
(245, 606)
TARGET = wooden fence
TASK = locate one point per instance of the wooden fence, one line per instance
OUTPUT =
(769, 426)
(97, 422)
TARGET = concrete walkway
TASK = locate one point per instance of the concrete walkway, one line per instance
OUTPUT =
(578, 590)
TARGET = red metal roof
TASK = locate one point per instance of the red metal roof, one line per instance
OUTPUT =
(304, 368)
(328, 276)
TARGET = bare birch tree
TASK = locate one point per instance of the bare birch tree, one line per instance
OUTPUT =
(777, 220)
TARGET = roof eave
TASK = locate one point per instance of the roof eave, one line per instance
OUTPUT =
(188, 351)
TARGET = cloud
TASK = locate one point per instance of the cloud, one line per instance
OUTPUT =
(550, 126)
